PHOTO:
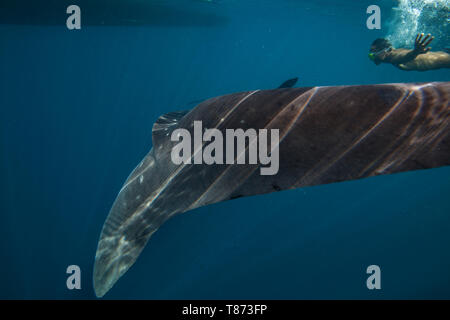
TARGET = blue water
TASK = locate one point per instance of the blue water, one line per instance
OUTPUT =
(76, 112)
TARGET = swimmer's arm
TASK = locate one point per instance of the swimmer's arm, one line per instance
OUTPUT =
(402, 56)
(404, 67)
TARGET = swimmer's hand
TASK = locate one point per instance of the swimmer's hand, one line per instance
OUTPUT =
(421, 43)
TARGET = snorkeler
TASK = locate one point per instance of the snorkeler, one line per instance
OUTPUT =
(419, 59)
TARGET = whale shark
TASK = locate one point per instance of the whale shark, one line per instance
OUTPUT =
(325, 135)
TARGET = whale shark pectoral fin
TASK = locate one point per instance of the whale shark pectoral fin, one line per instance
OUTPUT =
(165, 124)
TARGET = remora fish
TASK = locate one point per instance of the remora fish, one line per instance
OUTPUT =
(326, 134)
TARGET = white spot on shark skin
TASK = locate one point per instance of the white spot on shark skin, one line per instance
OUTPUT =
(122, 240)
(138, 197)
(242, 121)
(141, 179)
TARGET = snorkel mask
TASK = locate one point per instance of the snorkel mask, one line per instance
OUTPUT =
(374, 55)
